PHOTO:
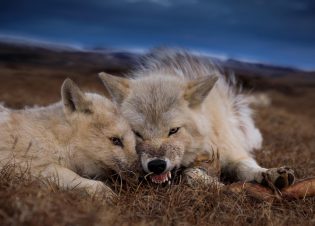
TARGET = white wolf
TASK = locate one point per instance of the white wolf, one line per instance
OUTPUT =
(180, 106)
(83, 136)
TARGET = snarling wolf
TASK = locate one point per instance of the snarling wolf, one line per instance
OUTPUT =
(72, 142)
(181, 106)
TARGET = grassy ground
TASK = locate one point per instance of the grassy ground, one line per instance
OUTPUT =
(288, 127)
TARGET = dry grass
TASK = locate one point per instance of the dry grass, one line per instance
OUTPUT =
(289, 130)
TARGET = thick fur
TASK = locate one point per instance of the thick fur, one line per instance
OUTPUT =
(172, 89)
(70, 142)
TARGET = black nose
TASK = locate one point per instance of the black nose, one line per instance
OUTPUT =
(157, 166)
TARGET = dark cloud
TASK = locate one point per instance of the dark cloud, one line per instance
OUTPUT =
(279, 31)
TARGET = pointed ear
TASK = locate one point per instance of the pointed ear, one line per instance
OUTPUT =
(74, 100)
(197, 90)
(117, 87)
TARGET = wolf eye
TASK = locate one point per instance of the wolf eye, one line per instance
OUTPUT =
(173, 131)
(138, 134)
(116, 141)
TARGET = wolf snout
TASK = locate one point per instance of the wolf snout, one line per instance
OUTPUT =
(157, 166)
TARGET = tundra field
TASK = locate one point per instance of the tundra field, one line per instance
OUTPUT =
(288, 127)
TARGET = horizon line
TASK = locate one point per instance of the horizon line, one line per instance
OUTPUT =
(18, 39)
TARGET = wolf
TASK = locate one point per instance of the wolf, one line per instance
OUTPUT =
(181, 106)
(71, 142)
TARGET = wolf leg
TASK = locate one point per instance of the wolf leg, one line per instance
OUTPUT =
(68, 179)
(205, 170)
(248, 170)
(195, 176)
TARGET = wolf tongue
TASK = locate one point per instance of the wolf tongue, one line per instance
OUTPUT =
(160, 177)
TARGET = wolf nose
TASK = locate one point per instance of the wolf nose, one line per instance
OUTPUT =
(157, 166)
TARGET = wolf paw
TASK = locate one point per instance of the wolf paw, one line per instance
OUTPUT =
(196, 176)
(99, 190)
(278, 177)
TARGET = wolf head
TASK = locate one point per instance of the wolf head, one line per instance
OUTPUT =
(165, 114)
(102, 138)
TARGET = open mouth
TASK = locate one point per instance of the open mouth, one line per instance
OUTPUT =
(161, 178)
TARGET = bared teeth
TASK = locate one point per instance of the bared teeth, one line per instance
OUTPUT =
(159, 179)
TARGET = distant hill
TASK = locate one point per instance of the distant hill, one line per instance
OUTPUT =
(66, 58)
(15, 53)
(258, 68)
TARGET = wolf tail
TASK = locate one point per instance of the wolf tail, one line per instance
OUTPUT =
(259, 100)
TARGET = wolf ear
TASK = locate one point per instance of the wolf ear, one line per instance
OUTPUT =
(74, 100)
(197, 90)
(117, 87)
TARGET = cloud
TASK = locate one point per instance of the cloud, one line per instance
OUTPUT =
(165, 3)
(158, 2)
(261, 28)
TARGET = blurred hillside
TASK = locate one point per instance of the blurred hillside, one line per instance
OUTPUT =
(26, 68)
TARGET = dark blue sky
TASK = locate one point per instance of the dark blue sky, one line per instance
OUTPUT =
(273, 31)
